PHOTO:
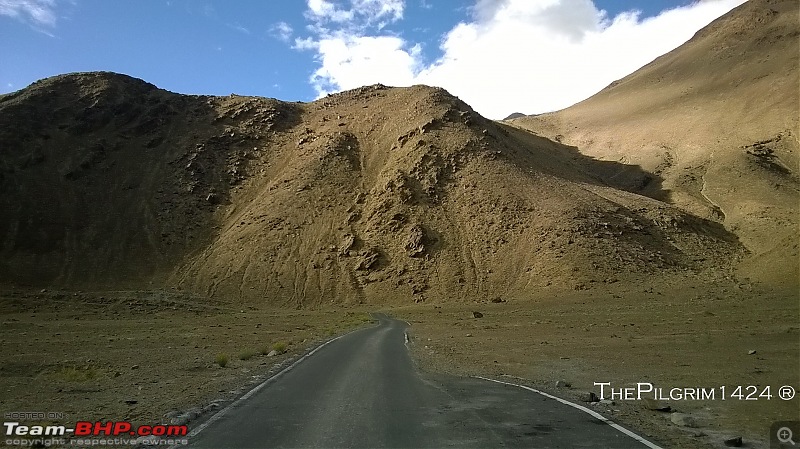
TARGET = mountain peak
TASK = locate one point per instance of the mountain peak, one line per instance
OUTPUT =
(717, 120)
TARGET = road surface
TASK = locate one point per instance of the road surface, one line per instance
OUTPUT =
(362, 390)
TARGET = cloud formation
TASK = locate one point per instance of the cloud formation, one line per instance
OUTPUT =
(361, 15)
(36, 12)
(512, 56)
(348, 61)
(282, 31)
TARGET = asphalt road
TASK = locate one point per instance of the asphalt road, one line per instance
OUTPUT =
(362, 390)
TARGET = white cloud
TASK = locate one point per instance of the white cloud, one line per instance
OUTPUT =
(282, 31)
(355, 15)
(36, 12)
(514, 55)
(348, 62)
(323, 10)
(347, 55)
(385, 10)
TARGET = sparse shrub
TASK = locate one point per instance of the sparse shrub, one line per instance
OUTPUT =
(247, 354)
(279, 347)
(221, 360)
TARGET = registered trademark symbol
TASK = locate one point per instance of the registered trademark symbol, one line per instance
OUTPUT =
(786, 392)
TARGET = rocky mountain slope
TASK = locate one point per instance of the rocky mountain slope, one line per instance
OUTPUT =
(372, 195)
(717, 121)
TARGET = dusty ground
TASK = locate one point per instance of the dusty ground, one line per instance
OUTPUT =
(86, 354)
(672, 334)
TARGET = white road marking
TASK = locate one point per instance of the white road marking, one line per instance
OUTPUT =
(591, 412)
(258, 387)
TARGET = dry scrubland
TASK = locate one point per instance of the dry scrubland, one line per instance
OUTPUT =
(648, 233)
(672, 333)
(145, 356)
(89, 355)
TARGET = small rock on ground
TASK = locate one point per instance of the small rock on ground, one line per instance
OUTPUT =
(682, 419)
(734, 442)
(652, 404)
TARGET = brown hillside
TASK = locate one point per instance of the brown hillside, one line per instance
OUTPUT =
(717, 120)
(375, 194)
(104, 179)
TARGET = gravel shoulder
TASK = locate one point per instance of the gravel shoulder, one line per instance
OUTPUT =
(681, 334)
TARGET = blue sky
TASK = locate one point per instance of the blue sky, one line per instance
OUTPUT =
(501, 56)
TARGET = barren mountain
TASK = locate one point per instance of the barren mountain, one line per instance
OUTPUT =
(713, 126)
(131, 210)
(375, 194)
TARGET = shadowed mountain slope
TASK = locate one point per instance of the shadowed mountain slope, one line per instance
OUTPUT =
(717, 120)
(372, 195)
